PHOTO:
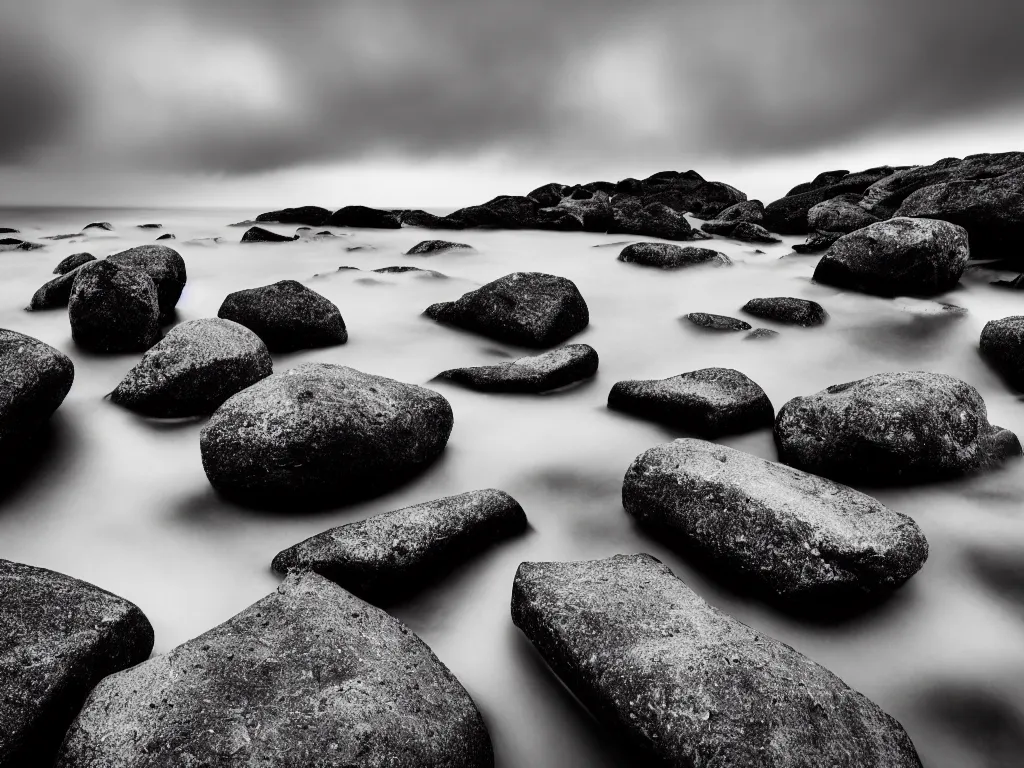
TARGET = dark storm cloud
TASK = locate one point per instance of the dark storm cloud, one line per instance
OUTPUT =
(238, 86)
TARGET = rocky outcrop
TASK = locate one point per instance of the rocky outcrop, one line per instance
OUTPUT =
(840, 214)
(261, 235)
(558, 368)
(785, 309)
(113, 308)
(1002, 344)
(823, 179)
(594, 213)
(548, 195)
(287, 316)
(631, 217)
(426, 220)
(687, 685)
(788, 215)
(72, 262)
(166, 268)
(437, 246)
(717, 322)
(361, 217)
(34, 380)
(310, 215)
(667, 256)
(309, 675)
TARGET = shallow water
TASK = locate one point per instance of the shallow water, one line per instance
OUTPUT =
(122, 501)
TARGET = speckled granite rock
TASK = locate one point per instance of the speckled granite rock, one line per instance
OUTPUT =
(784, 309)
(686, 684)
(308, 676)
(551, 370)
(166, 268)
(287, 316)
(72, 262)
(840, 214)
(34, 380)
(437, 246)
(1002, 343)
(668, 256)
(633, 217)
(55, 293)
(717, 322)
(113, 308)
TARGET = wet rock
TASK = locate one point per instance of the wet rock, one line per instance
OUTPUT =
(360, 216)
(427, 220)
(562, 220)
(503, 212)
(167, 236)
(653, 220)
(784, 309)
(788, 215)
(437, 246)
(749, 210)
(166, 268)
(261, 235)
(752, 233)
(717, 322)
(113, 308)
(389, 556)
(817, 242)
(890, 428)
(34, 380)
(104, 225)
(531, 309)
(287, 316)
(8, 231)
(549, 195)
(595, 213)
(14, 244)
(688, 191)
(686, 684)
(902, 256)
(760, 333)
(65, 236)
(403, 269)
(840, 214)
(667, 256)
(323, 433)
(823, 179)
(558, 368)
(193, 369)
(72, 262)
(55, 293)
(309, 675)
(310, 215)
(150, 226)
(1002, 343)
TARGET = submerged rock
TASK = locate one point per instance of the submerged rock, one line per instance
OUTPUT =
(359, 216)
(193, 369)
(892, 427)
(785, 309)
(558, 368)
(261, 235)
(60, 637)
(34, 380)
(437, 246)
(113, 308)
(749, 210)
(104, 225)
(393, 555)
(309, 675)
(287, 316)
(14, 244)
(164, 265)
(323, 433)
(531, 309)
(817, 242)
(1002, 343)
(311, 215)
(8, 231)
(668, 256)
(687, 685)
(760, 333)
(149, 226)
(840, 214)
(717, 322)
(54, 293)
(708, 402)
(167, 236)
(72, 262)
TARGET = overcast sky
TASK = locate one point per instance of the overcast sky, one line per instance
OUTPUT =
(434, 103)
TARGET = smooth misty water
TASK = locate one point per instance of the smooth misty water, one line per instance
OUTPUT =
(122, 501)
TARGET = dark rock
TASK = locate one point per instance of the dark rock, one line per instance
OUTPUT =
(687, 685)
(322, 433)
(393, 555)
(902, 256)
(150, 226)
(559, 220)
(1002, 343)
(788, 216)
(749, 210)
(581, 194)
(308, 676)
(817, 242)
(104, 225)
(261, 235)
(784, 309)
(824, 179)
(594, 214)
(551, 370)
(113, 308)
(403, 269)
(311, 215)
(549, 195)
(688, 191)
(503, 212)
(654, 220)
(427, 220)
(56, 293)
(8, 231)
(167, 236)
(717, 322)
(287, 316)
(437, 246)
(840, 214)
(752, 233)
(66, 236)
(14, 244)
(890, 428)
(531, 309)
(760, 333)
(193, 369)
(360, 216)
(164, 265)
(34, 380)
(709, 402)
(668, 256)
(72, 262)
(605, 187)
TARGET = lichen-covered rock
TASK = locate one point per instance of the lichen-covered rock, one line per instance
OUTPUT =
(287, 316)
(113, 308)
(1002, 343)
(166, 268)
(311, 215)
(717, 322)
(817, 242)
(785, 309)
(840, 214)
(892, 427)
(667, 256)
(54, 293)
(359, 216)
(687, 685)
(792, 536)
(322, 433)
(551, 370)
(193, 369)
(531, 309)
(261, 235)
(708, 402)
(388, 556)
(34, 380)
(902, 256)
(437, 246)
(72, 262)
(631, 217)
(60, 637)
(308, 676)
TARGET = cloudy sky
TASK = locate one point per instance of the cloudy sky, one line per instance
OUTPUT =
(432, 102)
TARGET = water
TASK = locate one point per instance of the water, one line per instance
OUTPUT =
(122, 501)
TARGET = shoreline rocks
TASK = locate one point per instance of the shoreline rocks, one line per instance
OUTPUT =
(541, 373)
(34, 380)
(666, 256)
(310, 215)
(359, 216)
(287, 316)
(1002, 344)
(113, 308)
(785, 309)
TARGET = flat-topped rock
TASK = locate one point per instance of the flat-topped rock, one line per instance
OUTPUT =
(717, 322)
(667, 256)
(166, 268)
(551, 370)
(34, 380)
(788, 310)
(113, 308)
(437, 246)
(359, 216)
(1002, 343)
(287, 316)
(72, 262)
(311, 215)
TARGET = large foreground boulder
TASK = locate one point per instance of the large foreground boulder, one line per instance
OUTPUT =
(788, 310)
(287, 316)
(166, 268)
(687, 685)
(902, 256)
(531, 309)
(113, 308)
(668, 256)
(791, 536)
(551, 370)
(193, 369)
(1002, 343)
(359, 216)
(393, 555)
(308, 676)
(890, 428)
(708, 402)
(322, 433)
(34, 380)
(60, 637)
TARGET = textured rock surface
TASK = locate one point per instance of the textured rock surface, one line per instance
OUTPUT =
(840, 214)
(362, 217)
(709, 402)
(749, 210)
(322, 433)
(892, 427)
(817, 242)
(687, 685)
(72, 262)
(667, 256)
(437, 246)
(632, 217)
(287, 316)
(311, 215)
(308, 676)
(793, 536)
(395, 554)
(717, 322)
(261, 235)
(193, 369)
(531, 309)
(788, 215)
(551, 370)
(60, 637)
(784, 309)
(166, 268)
(1002, 343)
(54, 293)
(113, 308)
(34, 380)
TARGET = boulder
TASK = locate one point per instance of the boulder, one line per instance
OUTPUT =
(261, 235)
(322, 433)
(594, 214)
(390, 556)
(1002, 344)
(654, 220)
(164, 265)
(840, 214)
(760, 333)
(667, 256)
(104, 225)
(60, 637)
(902, 256)
(426, 220)
(751, 211)
(709, 402)
(54, 293)
(167, 236)
(149, 226)
(8, 231)
(892, 428)
(113, 308)
(717, 322)
(308, 676)
(193, 369)
(817, 242)
(287, 316)
(823, 179)
(549, 195)
(72, 262)
(785, 309)
(14, 244)
(531, 309)
(752, 233)
(503, 212)
(437, 246)
(360, 216)
(687, 685)
(311, 215)
(34, 380)
(687, 191)
(788, 215)
(551, 370)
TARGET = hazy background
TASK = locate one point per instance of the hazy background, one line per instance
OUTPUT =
(274, 102)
